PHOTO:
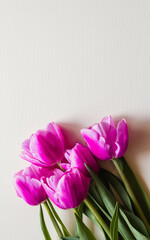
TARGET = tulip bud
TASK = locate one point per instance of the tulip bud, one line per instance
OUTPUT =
(78, 156)
(44, 148)
(105, 140)
(28, 186)
(66, 189)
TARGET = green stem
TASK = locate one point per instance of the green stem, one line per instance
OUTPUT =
(76, 212)
(131, 194)
(97, 216)
(61, 167)
(43, 225)
(66, 232)
(56, 226)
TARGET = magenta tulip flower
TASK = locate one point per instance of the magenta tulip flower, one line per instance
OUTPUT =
(28, 186)
(44, 148)
(78, 156)
(105, 140)
(66, 189)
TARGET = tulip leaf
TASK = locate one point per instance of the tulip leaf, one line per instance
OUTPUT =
(99, 206)
(70, 238)
(136, 225)
(95, 194)
(119, 187)
(107, 198)
(83, 230)
(79, 211)
(76, 230)
(89, 214)
(110, 202)
(136, 188)
(65, 231)
(114, 224)
(43, 225)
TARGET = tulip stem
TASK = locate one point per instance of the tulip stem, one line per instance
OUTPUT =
(76, 212)
(61, 167)
(66, 233)
(55, 224)
(131, 194)
(97, 216)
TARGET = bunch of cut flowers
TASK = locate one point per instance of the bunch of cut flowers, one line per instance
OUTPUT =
(72, 179)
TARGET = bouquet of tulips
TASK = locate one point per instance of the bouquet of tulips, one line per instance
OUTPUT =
(72, 178)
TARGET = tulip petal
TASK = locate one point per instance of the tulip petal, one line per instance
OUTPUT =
(50, 192)
(79, 155)
(96, 127)
(30, 190)
(105, 140)
(98, 147)
(122, 138)
(65, 166)
(109, 120)
(67, 193)
(25, 145)
(89, 133)
(53, 128)
(54, 178)
(67, 154)
(108, 130)
(28, 157)
(36, 172)
(45, 146)
(69, 184)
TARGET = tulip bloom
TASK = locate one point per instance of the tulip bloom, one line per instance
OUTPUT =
(28, 186)
(44, 148)
(105, 140)
(78, 156)
(66, 189)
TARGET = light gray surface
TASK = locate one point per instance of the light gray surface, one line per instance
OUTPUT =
(72, 62)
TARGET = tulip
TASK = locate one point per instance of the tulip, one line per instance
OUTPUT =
(44, 148)
(78, 156)
(28, 186)
(105, 140)
(66, 189)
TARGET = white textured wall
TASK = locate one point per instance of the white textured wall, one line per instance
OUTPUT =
(73, 62)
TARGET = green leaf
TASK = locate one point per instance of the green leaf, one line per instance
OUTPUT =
(100, 207)
(110, 202)
(105, 235)
(65, 231)
(76, 231)
(79, 211)
(84, 232)
(128, 219)
(119, 187)
(70, 238)
(88, 213)
(114, 224)
(94, 193)
(107, 198)
(43, 225)
(136, 188)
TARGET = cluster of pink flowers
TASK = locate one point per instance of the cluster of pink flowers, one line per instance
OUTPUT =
(60, 173)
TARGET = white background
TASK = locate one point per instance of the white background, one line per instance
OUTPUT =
(73, 62)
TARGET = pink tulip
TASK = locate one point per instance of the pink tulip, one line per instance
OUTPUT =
(28, 186)
(105, 140)
(44, 148)
(78, 156)
(66, 189)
